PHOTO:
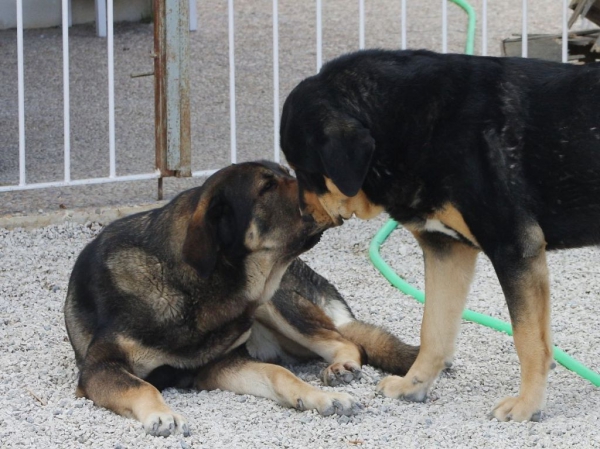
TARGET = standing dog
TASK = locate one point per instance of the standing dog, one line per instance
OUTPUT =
(499, 155)
(189, 295)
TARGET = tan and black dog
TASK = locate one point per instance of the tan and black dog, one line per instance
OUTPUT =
(498, 155)
(202, 291)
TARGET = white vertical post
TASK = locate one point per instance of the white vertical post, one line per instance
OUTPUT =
(101, 17)
(361, 24)
(565, 32)
(275, 81)
(232, 85)
(444, 26)
(484, 31)
(403, 24)
(21, 92)
(66, 92)
(524, 39)
(111, 89)
(319, 37)
(193, 15)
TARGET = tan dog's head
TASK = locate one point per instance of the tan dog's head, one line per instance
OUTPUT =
(245, 209)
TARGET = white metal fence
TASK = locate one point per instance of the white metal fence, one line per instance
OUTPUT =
(112, 175)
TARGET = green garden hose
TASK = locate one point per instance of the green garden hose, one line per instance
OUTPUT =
(560, 356)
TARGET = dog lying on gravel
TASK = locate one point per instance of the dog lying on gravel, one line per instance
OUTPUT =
(471, 154)
(201, 292)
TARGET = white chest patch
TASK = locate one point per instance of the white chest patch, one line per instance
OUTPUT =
(263, 344)
(433, 225)
(338, 313)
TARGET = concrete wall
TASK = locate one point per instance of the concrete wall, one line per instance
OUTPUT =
(47, 13)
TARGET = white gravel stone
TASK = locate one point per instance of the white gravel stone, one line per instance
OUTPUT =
(38, 375)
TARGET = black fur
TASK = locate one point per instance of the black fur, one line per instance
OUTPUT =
(506, 140)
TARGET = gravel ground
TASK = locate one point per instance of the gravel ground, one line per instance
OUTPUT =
(209, 81)
(38, 375)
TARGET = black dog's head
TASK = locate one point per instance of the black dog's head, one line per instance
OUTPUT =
(330, 151)
(247, 209)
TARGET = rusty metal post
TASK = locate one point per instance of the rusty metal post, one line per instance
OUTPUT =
(172, 88)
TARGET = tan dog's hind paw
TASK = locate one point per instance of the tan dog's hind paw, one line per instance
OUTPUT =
(166, 423)
(404, 388)
(329, 403)
(341, 373)
(517, 409)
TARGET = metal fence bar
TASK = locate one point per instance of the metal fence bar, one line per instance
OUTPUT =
(112, 177)
(184, 152)
(176, 86)
(100, 17)
(565, 31)
(193, 19)
(81, 182)
(361, 24)
(319, 36)
(232, 124)
(21, 93)
(275, 81)
(172, 75)
(524, 38)
(66, 92)
(111, 89)
(484, 30)
(444, 26)
(403, 25)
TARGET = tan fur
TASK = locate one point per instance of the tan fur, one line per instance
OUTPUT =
(447, 280)
(264, 276)
(240, 341)
(272, 382)
(144, 403)
(382, 348)
(138, 402)
(78, 335)
(452, 218)
(139, 274)
(337, 204)
(326, 343)
(315, 207)
(144, 359)
(533, 341)
(330, 208)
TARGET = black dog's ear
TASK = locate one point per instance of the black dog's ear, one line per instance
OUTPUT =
(209, 231)
(346, 156)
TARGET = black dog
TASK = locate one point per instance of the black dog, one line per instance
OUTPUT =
(193, 293)
(500, 155)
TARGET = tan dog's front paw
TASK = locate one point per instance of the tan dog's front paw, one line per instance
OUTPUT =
(166, 423)
(402, 387)
(341, 373)
(327, 403)
(517, 409)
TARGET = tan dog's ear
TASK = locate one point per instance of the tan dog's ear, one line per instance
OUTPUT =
(346, 156)
(202, 245)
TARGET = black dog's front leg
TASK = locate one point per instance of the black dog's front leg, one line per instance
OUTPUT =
(523, 274)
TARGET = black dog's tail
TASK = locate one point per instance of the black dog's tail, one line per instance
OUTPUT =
(383, 349)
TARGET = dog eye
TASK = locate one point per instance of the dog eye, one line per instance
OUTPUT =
(269, 185)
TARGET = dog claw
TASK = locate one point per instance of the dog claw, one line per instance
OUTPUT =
(537, 416)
